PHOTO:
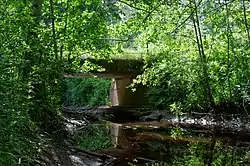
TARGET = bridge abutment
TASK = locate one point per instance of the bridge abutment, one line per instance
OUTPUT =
(121, 95)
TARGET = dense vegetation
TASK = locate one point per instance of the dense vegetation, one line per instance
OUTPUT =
(93, 137)
(86, 92)
(198, 52)
(36, 39)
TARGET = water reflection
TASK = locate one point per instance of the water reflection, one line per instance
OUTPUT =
(189, 140)
(193, 139)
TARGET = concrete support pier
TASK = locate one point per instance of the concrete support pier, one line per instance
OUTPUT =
(121, 95)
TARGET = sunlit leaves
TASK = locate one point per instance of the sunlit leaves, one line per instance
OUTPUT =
(166, 28)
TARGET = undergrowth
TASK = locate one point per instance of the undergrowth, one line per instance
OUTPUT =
(86, 91)
(93, 137)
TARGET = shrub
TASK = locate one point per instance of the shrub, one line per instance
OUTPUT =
(86, 91)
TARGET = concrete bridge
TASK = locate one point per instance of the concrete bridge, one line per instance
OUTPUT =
(122, 72)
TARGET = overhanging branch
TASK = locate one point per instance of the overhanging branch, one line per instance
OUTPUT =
(132, 6)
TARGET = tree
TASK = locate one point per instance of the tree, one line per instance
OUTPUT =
(198, 43)
(37, 37)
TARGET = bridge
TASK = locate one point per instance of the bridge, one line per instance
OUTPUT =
(122, 72)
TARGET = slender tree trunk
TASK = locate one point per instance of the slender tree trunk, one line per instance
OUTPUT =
(245, 20)
(228, 53)
(34, 58)
(31, 56)
(53, 28)
(64, 30)
(204, 67)
(43, 110)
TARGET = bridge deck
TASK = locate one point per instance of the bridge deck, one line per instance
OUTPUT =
(116, 66)
(102, 75)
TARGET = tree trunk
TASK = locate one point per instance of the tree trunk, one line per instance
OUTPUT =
(203, 58)
(53, 28)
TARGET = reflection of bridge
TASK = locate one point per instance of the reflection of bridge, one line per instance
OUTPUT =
(122, 72)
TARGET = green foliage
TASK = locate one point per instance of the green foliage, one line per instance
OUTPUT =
(18, 134)
(159, 164)
(195, 154)
(93, 137)
(86, 91)
(36, 38)
(170, 80)
(196, 53)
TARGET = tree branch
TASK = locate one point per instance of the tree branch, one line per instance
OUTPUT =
(151, 11)
(191, 14)
(130, 5)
